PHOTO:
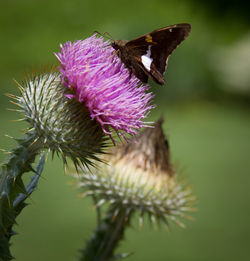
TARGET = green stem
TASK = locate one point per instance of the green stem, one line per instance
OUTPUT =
(12, 189)
(103, 243)
(98, 210)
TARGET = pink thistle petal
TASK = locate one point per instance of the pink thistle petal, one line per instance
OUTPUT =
(96, 77)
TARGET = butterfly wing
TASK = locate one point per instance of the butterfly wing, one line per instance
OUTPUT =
(153, 49)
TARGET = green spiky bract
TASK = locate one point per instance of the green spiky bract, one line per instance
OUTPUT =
(13, 190)
(64, 124)
(162, 198)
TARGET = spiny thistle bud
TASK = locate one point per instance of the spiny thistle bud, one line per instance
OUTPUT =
(139, 177)
(71, 111)
(60, 124)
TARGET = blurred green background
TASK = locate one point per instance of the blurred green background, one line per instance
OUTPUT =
(205, 103)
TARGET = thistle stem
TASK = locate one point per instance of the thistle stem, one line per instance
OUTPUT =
(12, 189)
(98, 210)
(110, 231)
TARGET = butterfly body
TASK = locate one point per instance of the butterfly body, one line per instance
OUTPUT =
(147, 56)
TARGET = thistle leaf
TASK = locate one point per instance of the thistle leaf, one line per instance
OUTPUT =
(13, 192)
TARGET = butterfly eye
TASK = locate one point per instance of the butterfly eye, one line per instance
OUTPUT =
(115, 45)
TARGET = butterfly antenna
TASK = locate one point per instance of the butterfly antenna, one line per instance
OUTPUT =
(108, 35)
(96, 32)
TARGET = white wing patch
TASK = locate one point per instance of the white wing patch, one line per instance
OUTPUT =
(146, 60)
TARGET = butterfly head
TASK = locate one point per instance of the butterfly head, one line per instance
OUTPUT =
(115, 44)
(118, 44)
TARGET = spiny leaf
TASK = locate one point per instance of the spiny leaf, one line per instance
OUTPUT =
(19, 200)
(12, 189)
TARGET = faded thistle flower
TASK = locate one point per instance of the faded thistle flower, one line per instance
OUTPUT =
(72, 111)
(139, 177)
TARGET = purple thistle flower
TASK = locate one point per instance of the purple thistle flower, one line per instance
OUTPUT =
(96, 76)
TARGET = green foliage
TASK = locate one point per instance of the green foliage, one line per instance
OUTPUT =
(13, 191)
